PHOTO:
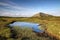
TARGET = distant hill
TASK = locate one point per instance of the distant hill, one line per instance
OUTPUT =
(44, 16)
(41, 14)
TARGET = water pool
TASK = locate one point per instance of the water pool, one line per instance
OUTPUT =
(35, 26)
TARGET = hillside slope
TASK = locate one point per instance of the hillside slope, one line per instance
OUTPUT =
(45, 16)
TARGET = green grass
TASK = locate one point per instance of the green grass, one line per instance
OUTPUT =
(26, 32)
(52, 25)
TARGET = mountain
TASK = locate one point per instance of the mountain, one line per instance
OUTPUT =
(45, 16)
(41, 14)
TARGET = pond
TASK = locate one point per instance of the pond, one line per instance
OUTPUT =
(35, 26)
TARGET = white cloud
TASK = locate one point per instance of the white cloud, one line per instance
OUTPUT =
(15, 10)
(11, 6)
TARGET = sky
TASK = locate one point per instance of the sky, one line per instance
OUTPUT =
(27, 8)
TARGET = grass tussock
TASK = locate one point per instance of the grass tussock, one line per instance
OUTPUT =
(8, 33)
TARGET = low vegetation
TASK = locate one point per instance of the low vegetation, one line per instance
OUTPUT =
(8, 33)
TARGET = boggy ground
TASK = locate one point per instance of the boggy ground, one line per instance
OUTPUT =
(8, 33)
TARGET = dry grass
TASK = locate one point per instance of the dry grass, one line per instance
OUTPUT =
(53, 26)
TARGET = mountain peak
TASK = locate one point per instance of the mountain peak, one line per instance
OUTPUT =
(41, 14)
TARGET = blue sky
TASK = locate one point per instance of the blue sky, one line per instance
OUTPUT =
(25, 8)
